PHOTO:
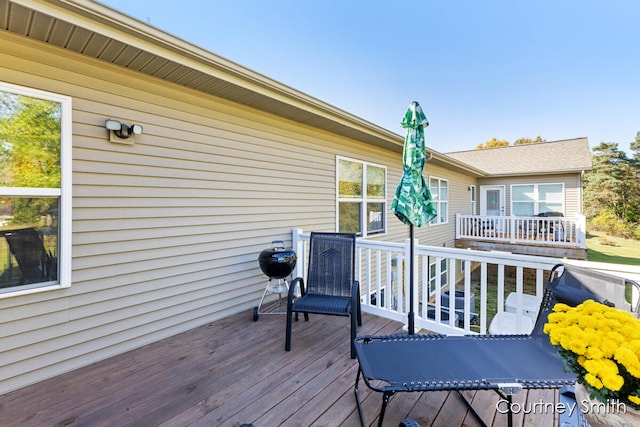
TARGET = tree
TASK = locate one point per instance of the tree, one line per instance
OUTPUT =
(635, 147)
(612, 184)
(523, 141)
(29, 142)
(492, 143)
(602, 183)
(29, 153)
(632, 213)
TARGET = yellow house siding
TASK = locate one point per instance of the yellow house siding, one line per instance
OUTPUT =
(166, 232)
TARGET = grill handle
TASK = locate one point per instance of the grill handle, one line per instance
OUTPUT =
(278, 244)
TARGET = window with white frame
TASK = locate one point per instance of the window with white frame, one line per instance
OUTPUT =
(533, 199)
(35, 190)
(472, 199)
(440, 193)
(437, 269)
(361, 197)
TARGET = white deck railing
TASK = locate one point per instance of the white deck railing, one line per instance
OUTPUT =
(558, 231)
(383, 271)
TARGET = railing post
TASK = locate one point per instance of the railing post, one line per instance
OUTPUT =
(581, 232)
(458, 225)
(512, 231)
(408, 271)
(296, 244)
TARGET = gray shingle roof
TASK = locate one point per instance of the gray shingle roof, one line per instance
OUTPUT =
(569, 155)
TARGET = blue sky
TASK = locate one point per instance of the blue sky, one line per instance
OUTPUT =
(480, 69)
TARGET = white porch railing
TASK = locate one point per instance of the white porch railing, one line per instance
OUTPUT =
(558, 231)
(382, 269)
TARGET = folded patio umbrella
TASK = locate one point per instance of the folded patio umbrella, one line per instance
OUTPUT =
(412, 203)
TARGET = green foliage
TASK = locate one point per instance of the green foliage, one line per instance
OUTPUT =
(612, 190)
(29, 142)
(608, 222)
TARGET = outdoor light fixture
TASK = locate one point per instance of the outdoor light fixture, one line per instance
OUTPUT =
(121, 130)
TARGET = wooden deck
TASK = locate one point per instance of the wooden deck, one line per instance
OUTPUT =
(235, 371)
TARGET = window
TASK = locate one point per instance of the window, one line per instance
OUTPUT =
(472, 201)
(440, 194)
(361, 197)
(435, 272)
(35, 217)
(532, 199)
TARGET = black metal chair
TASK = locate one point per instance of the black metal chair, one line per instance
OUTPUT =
(552, 229)
(331, 287)
(27, 248)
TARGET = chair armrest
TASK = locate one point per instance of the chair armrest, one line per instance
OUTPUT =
(292, 288)
(553, 274)
(355, 291)
(635, 296)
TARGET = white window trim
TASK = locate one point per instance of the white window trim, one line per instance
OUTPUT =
(363, 207)
(473, 199)
(437, 263)
(537, 195)
(437, 203)
(64, 257)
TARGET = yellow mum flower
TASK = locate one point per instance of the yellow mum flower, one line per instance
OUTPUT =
(629, 360)
(593, 353)
(633, 345)
(588, 322)
(609, 347)
(604, 341)
(562, 307)
(613, 382)
(593, 381)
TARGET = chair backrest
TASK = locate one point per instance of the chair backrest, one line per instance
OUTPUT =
(27, 248)
(572, 285)
(332, 260)
(615, 290)
(551, 214)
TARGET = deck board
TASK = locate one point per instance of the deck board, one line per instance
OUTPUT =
(235, 371)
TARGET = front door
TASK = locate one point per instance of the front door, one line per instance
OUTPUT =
(492, 200)
(492, 205)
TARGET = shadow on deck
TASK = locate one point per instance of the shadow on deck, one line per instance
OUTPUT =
(235, 371)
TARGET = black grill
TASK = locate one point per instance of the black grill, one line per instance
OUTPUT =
(277, 262)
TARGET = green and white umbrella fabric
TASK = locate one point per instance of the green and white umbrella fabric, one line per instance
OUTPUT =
(412, 203)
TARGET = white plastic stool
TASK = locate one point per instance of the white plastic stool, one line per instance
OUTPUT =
(505, 323)
(530, 305)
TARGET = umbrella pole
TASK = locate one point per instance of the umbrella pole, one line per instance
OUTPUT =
(411, 323)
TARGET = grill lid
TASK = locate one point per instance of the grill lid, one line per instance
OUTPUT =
(277, 262)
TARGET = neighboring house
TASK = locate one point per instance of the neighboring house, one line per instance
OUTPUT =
(148, 232)
(529, 180)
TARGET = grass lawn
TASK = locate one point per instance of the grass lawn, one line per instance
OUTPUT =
(603, 248)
